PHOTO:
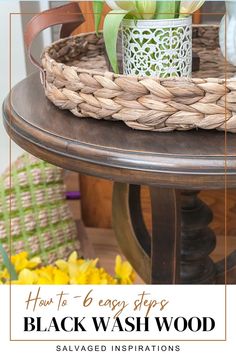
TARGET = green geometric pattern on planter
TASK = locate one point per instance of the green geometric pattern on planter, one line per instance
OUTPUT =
(34, 214)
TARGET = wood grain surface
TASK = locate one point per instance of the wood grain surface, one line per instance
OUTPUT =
(103, 241)
(96, 205)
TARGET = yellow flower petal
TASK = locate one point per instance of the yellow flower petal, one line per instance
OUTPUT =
(4, 275)
(73, 270)
(27, 276)
(45, 275)
(124, 271)
(73, 257)
(44, 281)
(33, 262)
(60, 277)
(19, 256)
(81, 278)
(62, 265)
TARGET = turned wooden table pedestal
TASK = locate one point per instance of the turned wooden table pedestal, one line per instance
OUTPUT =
(175, 166)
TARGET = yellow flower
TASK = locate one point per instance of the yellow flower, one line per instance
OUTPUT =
(73, 271)
(124, 271)
(33, 262)
(26, 276)
(60, 277)
(21, 261)
(79, 278)
(106, 278)
(100, 276)
(73, 257)
(4, 275)
(51, 275)
(79, 271)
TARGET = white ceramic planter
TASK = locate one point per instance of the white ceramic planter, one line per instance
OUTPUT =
(160, 48)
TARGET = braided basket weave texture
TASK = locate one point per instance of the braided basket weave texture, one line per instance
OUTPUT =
(34, 211)
(77, 79)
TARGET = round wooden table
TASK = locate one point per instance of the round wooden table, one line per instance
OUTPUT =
(175, 166)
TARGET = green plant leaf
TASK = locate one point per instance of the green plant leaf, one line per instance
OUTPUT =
(110, 31)
(146, 8)
(177, 7)
(97, 13)
(165, 10)
(8, 264)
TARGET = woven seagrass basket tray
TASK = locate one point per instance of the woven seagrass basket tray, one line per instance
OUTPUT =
(76, 78)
